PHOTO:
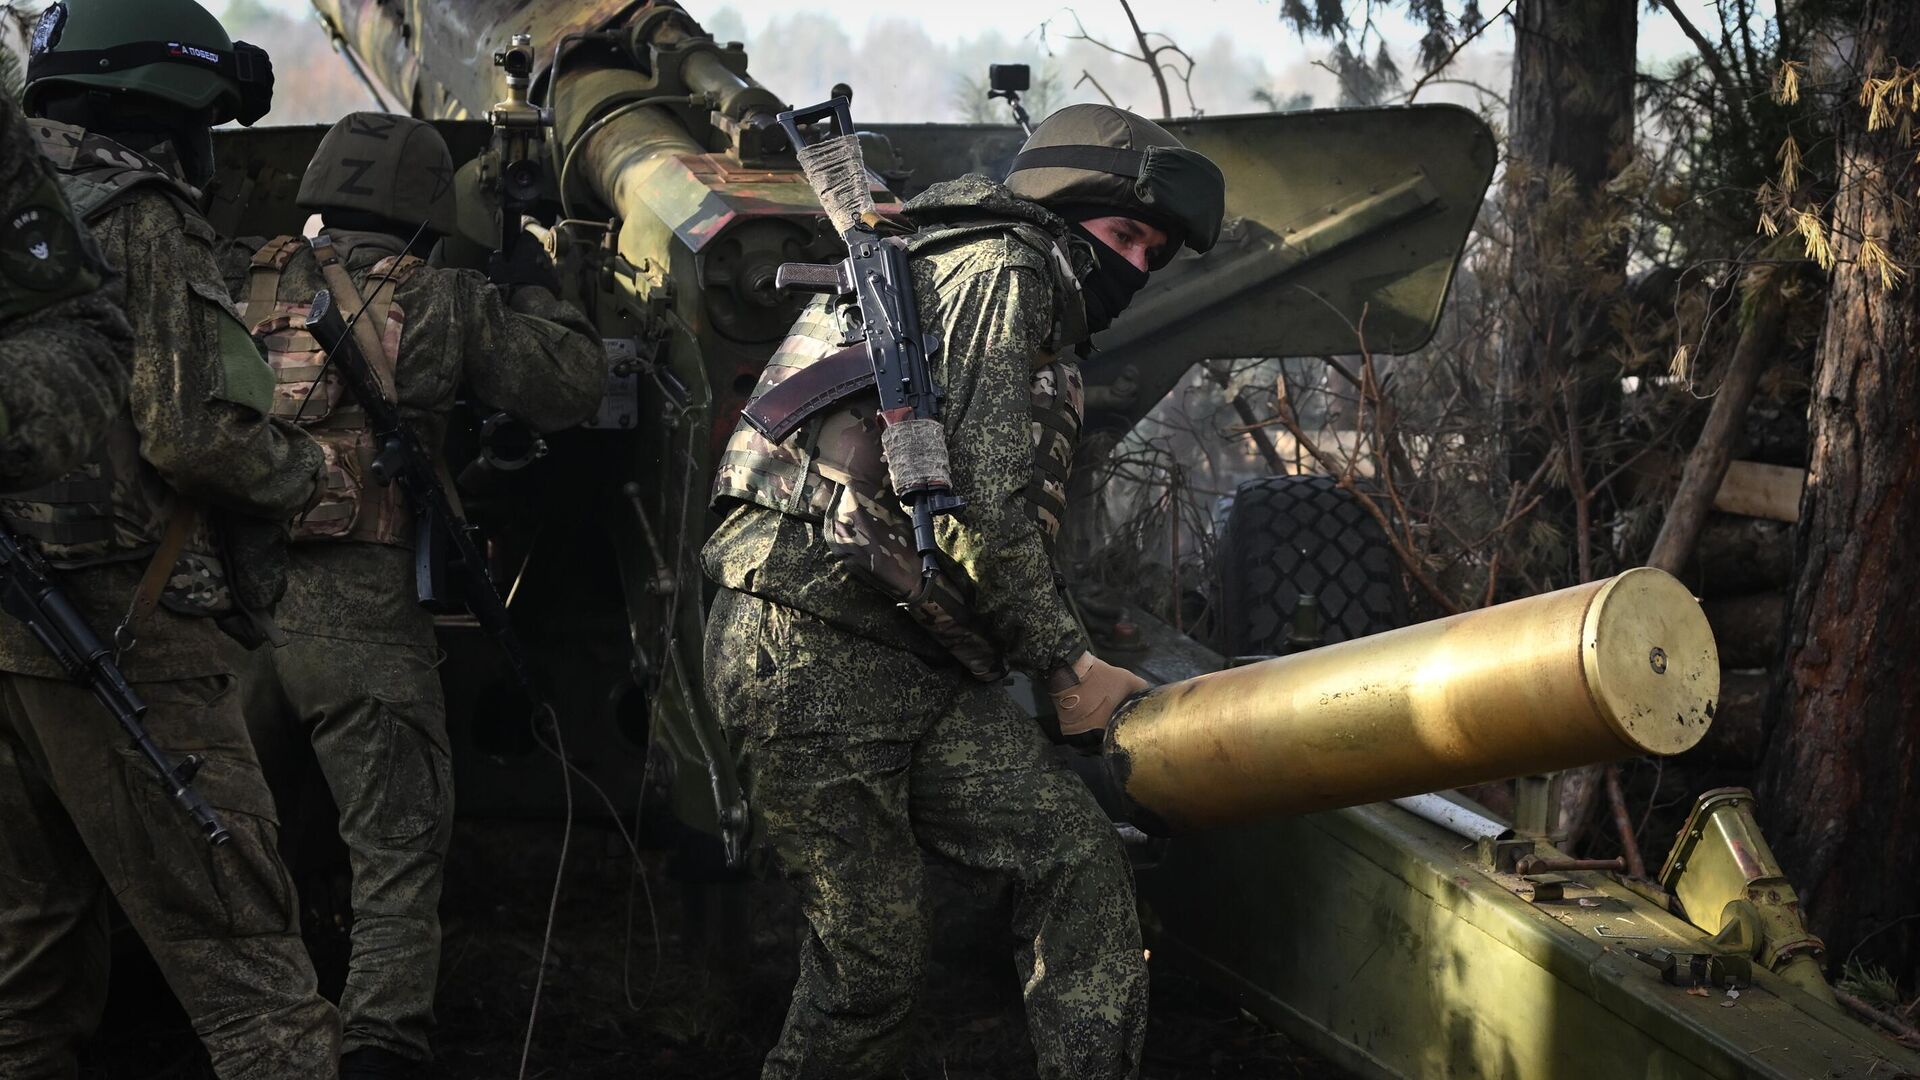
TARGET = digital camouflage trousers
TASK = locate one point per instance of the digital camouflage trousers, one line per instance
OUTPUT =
(377, 720)
(860, 758)
(83, 819)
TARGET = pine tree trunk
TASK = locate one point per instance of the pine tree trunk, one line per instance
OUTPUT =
(1842, 783)
(1572, 132)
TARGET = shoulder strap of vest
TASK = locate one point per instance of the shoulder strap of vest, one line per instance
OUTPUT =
(365, 330)
(263, 276)
(396, 269)
(387, 276)
(97, 174)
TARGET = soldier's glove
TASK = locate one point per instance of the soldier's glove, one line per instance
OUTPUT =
(1085, 696)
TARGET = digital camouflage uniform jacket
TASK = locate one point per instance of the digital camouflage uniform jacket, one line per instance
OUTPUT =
(535, 356)
(63, 339)
(992, 297)
(198, 407)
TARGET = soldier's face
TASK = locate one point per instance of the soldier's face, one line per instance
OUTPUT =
(1137, 242)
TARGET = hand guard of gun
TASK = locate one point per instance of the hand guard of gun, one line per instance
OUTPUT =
(877, 280)
(29, 593)
(444, 545)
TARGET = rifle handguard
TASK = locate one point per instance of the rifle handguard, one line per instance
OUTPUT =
(916, 454)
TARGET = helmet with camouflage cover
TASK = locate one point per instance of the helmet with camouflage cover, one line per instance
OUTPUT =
(393, 168)
(170, 50)
(1096, 156)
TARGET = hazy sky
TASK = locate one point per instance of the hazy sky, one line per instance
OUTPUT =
(1252, 24)
(1242, 46)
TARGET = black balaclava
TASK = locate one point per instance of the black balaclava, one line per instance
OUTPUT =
(1109, 288)
(143, 124)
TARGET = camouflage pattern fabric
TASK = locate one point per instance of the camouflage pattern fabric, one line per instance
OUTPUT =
(1059, 405)
(64, 344)
(310, 392)
(994, 297)
(358, 677)
(833, 473)
(378, 724)
(83, 822)
(81, 815)
(858, 758)
(195, 425)
(535, 356)
(862, 743)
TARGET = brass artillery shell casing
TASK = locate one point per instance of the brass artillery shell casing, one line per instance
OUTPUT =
(1594, 673)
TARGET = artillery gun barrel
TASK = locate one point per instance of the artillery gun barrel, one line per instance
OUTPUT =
(1594, 673)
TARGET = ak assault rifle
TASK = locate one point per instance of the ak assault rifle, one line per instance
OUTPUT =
(29, 593)
(443, 541)
(888, 347)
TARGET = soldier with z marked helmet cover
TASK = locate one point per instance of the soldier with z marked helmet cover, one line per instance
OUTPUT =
(863, 696)
(358, 675)
(163, 539)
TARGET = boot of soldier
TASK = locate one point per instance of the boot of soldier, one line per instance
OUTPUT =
(374, 1063)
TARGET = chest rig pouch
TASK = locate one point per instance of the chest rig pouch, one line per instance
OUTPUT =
(306, 392)
(828, 468)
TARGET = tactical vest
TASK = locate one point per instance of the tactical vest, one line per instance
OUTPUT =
(308, 393)
(830, 471)
(116, 507)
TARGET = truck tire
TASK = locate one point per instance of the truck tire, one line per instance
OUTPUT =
(1288, 535)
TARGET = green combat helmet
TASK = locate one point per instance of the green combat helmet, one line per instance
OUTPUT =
(171, 50)
(393, 169)
(1098, 156)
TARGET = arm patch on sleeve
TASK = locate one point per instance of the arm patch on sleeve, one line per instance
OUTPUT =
(44, 256)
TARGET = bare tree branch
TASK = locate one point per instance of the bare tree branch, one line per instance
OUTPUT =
(1455, 51)
(1150, 56)
(1087, 77)
(1735, 99)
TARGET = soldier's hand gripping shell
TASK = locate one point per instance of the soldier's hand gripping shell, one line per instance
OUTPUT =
(1085, 696)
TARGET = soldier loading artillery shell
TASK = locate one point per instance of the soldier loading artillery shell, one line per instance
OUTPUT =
(870, 732)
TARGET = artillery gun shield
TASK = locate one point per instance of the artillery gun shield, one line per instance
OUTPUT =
(1343, 229)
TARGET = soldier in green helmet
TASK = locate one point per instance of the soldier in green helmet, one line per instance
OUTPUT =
(63, 340)
(866, 704)
(358, 674)
(123, 93)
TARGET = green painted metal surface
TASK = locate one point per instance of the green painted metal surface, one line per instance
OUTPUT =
(1373, 937)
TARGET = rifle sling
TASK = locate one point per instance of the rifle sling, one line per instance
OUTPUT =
(347, 295)
(181, 517)
(831, 379)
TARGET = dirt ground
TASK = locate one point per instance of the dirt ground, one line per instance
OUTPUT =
(704, 1004)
